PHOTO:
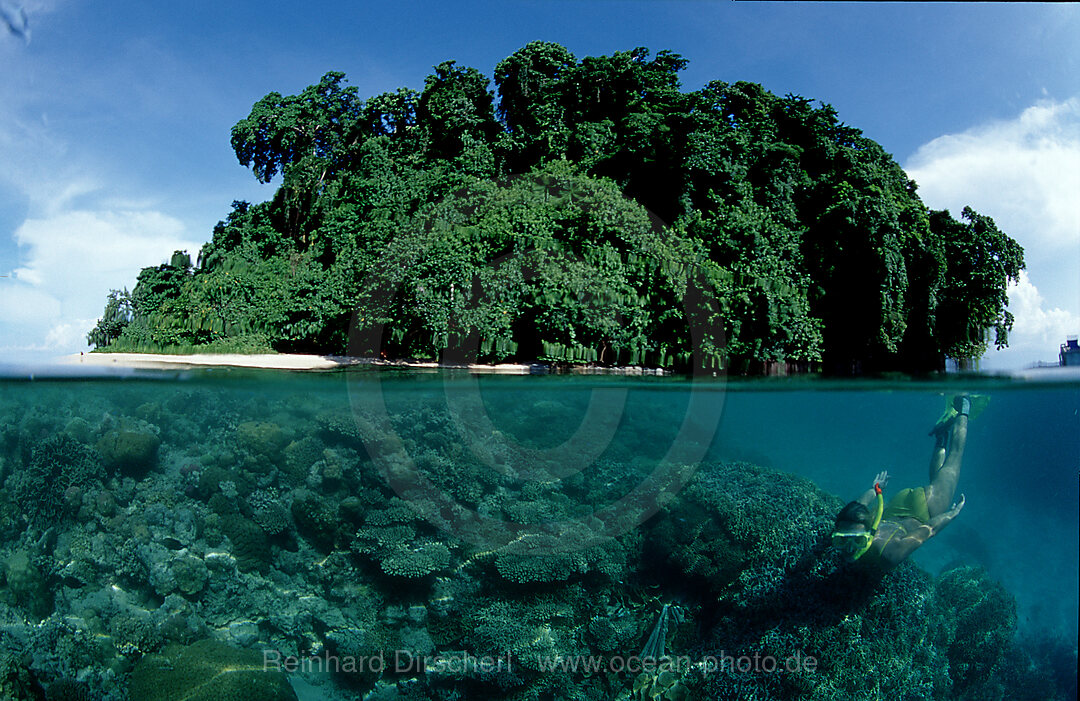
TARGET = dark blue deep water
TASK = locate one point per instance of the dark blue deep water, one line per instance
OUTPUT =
(212, 521)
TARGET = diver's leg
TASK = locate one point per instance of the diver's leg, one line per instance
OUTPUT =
(939, 494)
(937, 458)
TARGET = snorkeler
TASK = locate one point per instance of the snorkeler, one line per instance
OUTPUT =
(873, 532)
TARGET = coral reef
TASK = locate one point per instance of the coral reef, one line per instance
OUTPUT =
(250, 546)
(16, 681)
(976, 625)
(131, 448)
(269, 513)
(25, 585)
(154, 538)
(263, 438)
(208, 671)
(51, 485)
(315, 518)
(416, 560)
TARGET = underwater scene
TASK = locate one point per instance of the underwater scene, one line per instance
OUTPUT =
(386, 534)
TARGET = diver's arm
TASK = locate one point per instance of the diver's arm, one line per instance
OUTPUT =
(941, 520)
(932, 527)
(898, 550)
(868, 496)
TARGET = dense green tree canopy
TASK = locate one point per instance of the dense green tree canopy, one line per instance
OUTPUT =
(595, 212)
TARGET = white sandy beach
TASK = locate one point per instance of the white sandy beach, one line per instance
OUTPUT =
(297, 361)
(276, 361)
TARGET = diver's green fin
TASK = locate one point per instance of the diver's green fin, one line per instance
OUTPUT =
(976, 402)
(946, 418)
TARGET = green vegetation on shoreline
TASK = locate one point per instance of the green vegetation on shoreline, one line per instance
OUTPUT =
(242, 345)
(594, 213)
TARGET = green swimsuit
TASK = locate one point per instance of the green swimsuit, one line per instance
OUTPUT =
(908, 503)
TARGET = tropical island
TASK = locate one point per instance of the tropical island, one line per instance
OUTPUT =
(583, 211)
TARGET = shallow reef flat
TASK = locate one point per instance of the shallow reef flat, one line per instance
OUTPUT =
(291, 539)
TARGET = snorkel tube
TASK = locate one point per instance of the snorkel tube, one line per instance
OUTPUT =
(879, 509)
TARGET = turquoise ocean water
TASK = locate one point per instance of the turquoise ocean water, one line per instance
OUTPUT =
(448, 517)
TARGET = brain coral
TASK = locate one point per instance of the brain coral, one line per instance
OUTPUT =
(208, 671)
(261, 437)
(250, 547)
(132, 448)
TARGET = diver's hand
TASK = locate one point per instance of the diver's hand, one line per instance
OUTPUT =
(957, 507)
(882, 478)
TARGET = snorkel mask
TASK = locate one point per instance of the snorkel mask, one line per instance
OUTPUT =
(857, 543)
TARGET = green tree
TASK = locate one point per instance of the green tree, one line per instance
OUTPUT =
(456, 110)
(391, 113)
(319, 122)
(980, 263)
(533, 86)
(625, 112)
(156, 286)
(117, 315)
(554, 264)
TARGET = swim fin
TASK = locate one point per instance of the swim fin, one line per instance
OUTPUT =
(976, 404)
(946, 418)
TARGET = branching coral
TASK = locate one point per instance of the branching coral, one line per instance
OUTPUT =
(59, 469)
(415, 560)
(269, 513)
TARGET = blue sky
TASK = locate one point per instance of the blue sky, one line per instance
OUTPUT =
(115, 117)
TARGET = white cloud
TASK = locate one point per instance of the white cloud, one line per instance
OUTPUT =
(85, 232)
(80, 238)
(22, 303)
(69, 251)
(1033, 319)
(1038, 331)
(72, 259)
(1025, 173)
(69, 334)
